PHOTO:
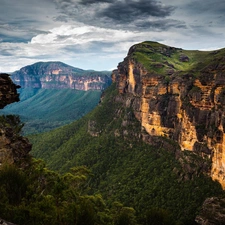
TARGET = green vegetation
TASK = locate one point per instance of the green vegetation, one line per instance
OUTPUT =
(37, 196)
(125, 169)
(45, 109)
(160, 58)
(41, 69)
(141, 184)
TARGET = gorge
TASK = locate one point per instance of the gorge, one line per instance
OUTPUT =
(53, 94)
(154, 141)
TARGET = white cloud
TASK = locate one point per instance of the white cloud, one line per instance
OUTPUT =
(97, 45)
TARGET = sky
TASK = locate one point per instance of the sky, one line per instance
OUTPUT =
(97, 34)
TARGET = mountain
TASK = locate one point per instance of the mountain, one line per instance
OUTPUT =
(178, 94)
(60, 75)
(155, 141)
(53, 94)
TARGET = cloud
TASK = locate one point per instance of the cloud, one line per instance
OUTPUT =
(129, 10)
(205, 7)
(98, 33)
(82, 34)
(159, 25)
(86, 2)
(118, 14)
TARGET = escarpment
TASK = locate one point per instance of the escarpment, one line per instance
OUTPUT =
(179, 94)
(57, 75)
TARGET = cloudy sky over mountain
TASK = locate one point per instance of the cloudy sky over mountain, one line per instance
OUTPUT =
(96, 34)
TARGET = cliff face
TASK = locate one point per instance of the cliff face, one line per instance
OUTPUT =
(13, 147)
(59, 75)
(8, 93)
(180, 95)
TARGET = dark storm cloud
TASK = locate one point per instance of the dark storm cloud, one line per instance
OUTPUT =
(128, 11)
(118, 14)
(85, 2)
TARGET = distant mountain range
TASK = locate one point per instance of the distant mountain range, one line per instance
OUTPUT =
(60, 75)
(53, 94)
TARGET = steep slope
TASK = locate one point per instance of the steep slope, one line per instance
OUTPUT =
(172, 99)
(178, 94)
(108, 141)
(60, 75)
(31, 194)
(45, 109)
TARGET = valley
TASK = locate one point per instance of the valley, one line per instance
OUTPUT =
(53, 94)
(42, 110)
(149, 152)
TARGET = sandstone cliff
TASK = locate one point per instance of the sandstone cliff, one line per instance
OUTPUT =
(180, 95)
(59, 75)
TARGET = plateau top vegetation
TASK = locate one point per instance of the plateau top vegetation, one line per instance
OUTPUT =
(159, 58)
(52, 67)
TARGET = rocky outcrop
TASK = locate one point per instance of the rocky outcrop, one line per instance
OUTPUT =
(182, 99)
(8, 93)
(212, 212)
(13, 147)
(59, 75)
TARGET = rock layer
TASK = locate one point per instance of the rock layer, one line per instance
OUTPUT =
(59, 75)
(180, 96)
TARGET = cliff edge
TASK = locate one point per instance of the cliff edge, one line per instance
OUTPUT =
(178, 94)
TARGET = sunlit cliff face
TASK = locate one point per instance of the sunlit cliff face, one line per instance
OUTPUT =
(186, 108)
